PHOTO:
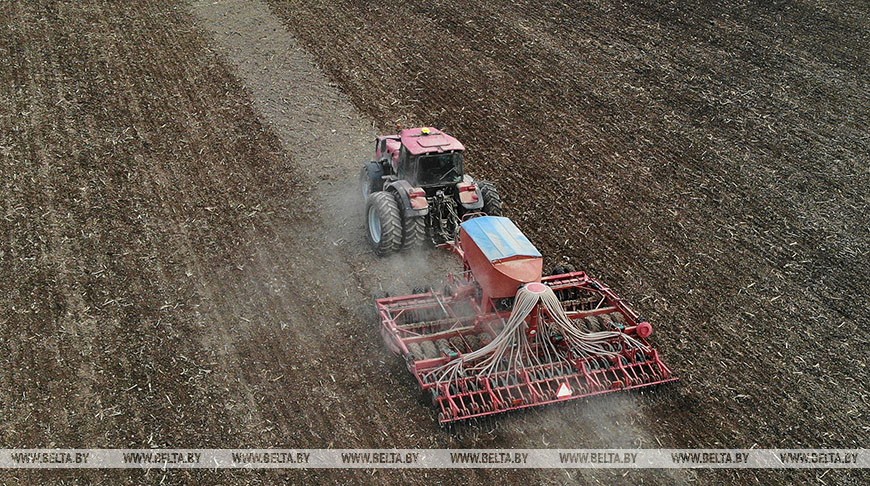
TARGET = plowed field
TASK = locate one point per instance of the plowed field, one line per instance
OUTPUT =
(183, 264)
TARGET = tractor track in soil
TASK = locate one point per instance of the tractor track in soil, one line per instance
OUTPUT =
(186, 265)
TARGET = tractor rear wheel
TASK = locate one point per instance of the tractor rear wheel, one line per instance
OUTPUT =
(491, 199)
(384, 223)
(413, 227)
(413, 232)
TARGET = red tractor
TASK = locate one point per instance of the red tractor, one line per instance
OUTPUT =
(500, 336)
(416, 191)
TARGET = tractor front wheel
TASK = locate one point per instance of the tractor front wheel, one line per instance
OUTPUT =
(384, 223)
(491, 199)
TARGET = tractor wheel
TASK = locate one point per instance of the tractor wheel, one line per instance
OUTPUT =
(384, 223)
(413, 232)
(368, 183)
(491, 199)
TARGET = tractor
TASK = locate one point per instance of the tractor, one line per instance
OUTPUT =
(500, 336)
(416, 191)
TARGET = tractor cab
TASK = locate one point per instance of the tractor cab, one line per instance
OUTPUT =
(430, 170)
(416, 190)
(425, 157)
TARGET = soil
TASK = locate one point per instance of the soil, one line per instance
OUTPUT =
(184, 265)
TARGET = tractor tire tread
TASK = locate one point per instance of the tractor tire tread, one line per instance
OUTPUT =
(413, 232)
(391, 223)
(492, 205)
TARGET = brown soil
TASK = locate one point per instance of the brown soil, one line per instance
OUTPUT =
(184, 265)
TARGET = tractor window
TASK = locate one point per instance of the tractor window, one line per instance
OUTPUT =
(440, 169)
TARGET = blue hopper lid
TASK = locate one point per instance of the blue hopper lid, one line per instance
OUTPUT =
(499, 238)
